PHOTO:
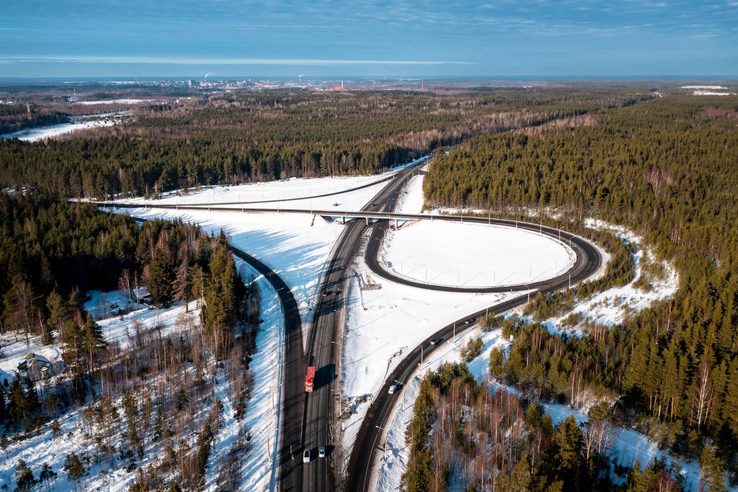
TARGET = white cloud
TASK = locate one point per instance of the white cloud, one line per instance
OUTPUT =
(216, 61)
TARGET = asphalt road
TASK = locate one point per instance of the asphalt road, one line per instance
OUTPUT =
(368, 439)
(318, 408)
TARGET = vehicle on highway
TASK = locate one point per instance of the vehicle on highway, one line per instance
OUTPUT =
(321, 452)
(436, 341)
(306, 456)
(392, 389)
(309, 379)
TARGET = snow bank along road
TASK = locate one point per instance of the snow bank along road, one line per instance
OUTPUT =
(588, 261)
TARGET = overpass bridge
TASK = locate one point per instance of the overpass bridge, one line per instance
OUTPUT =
(368, 216)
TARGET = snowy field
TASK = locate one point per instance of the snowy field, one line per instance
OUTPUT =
(52, 131)
(473, 255)
(468, 255)
(116, 101)
(713, 87)
(289, 193)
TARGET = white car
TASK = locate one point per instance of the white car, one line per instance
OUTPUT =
(392, 389)
(321, 452)
(306, 456)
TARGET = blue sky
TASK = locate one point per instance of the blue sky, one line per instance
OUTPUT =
(110, 38)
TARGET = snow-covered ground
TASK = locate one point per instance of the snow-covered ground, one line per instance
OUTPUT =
(411, 200)
(78, 123)
(121, 329)
(627, 446)
(383, 325)
(14, 349)
(473, 255)
(712, 93)
(44, 132)
(613, 305)
(297, 247)
(703, 87)
(116, 101)
(289, 193)
(39, 448)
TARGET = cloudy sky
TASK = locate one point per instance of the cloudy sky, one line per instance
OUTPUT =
(368, 38)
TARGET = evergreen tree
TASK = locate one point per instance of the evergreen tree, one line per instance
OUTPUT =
(47, 335)
(75, 468)
(24, 479)
(72, 346)
(182, 284)
(131, 410)
(161, 275)
(55, 428)
(4, 443)
(568, 440)
(92, 340)
(47, 476)
(520, 478)
(198, 284)
(2, 405)
(58, 310)
(711, 476)
(158, 425)
(32, 401)
(18, 405)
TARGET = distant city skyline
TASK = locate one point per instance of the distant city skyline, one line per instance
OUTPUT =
(424, 38)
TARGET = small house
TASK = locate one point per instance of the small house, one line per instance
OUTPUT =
(142, 296)
(35, 367)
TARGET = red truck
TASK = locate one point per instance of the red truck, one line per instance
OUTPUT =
(309, 379)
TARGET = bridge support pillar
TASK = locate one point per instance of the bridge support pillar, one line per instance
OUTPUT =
(395, 223)
(367, 220)
(343, 219)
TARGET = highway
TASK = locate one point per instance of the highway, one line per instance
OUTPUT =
(320, 406)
